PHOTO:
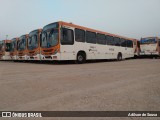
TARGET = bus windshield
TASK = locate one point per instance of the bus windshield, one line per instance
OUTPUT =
(8, 47)
(22, 43)
(148, 41)
(13, 45)
(49, 38)
(33, 42)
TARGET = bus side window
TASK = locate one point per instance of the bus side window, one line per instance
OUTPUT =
(101, 39)
(117, 41)
(109, 40)
(79, 35)
(91, 37)
(129, 44)
(67, 37)
(124, 43)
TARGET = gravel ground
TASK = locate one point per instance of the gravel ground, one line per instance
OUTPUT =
(132, 85)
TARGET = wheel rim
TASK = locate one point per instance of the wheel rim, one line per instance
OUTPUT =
(80, 58)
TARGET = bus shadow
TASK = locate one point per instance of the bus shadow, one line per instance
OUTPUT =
(65, 62)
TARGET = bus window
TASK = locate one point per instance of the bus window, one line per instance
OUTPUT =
(159, 42)
(1, 46)
(79, 35)
(129, 44)
(8, 47)
(101, 39)
(90, 37)
(124, 43)
(117, 41)
(67, 37)
(110, 40)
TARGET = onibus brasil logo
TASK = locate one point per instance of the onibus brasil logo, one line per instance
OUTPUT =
(21, 114)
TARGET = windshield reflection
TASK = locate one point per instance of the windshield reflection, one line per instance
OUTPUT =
(13, 45)
(49, 38)
(33, 42)
(22, 44)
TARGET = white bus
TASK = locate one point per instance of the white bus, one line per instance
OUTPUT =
(5, 46)
(67, 41)
(22, 48)
(150, 46)
(33, 45)
(13, 50)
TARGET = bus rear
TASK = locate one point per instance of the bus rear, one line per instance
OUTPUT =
(22, 48)
(5, 46)
(34, 45)
(14, 48)
(149, 46)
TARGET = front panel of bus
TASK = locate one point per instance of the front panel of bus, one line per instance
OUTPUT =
(22, 48)
(5, 47)
(34, 45)
(13, 51)
(50, 42)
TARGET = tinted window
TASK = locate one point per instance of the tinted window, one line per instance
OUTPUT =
(1, 45)
(123, 42)
(101, 39)
(67, 36)
(79, 35)
(129, 43)
(148, 40)
(110, 40)
(117, 41)
(8, 47)
(90, 37)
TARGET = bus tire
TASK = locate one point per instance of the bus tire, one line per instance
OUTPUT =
(81, 58)
(119, 57)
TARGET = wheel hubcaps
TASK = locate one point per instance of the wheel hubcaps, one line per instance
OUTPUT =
(80, 58)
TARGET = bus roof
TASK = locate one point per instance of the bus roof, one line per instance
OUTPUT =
(34, 31)
(14, 38)
(93, 30)
(26, 35)
(6, 41)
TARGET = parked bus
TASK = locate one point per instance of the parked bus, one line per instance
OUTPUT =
(5, 46)
(66, 41)
(14, 49)
(22, 48)
(34, 48)
(150, 46)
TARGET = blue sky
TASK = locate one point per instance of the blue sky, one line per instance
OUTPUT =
(130, 18)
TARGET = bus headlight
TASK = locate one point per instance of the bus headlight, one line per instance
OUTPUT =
(55, 52)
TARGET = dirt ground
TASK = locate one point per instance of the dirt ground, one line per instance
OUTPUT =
(130, 85)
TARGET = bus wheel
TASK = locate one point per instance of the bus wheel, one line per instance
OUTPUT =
(119, 57)
(81, 58)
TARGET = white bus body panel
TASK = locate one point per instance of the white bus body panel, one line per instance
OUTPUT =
(94, 51)
(149, 49)
(24, 57)
(35, 57)
(14, 57)
(6, 56)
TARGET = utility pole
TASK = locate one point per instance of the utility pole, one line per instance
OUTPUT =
(6, 37)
